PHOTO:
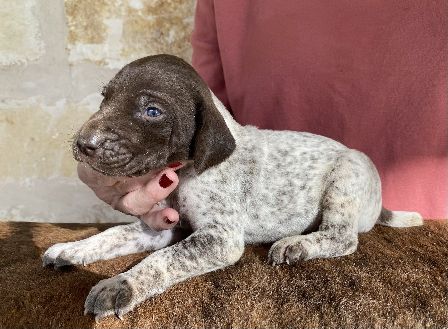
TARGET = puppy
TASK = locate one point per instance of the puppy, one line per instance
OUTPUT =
(309, 194)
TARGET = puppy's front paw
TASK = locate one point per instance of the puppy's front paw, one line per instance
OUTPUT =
(64, 254)
(288, 250)
(116, 295)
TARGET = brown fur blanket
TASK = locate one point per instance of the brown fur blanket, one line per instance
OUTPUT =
(398, 278)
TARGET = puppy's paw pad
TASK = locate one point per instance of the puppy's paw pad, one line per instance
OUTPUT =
(277, 253)
(288, 250)
(296, 252)
(63, 254)
(53, 252)
(111, 296)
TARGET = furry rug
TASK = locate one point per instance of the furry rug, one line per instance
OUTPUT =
(396, 279)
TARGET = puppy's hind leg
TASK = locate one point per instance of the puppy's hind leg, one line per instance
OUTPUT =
(351, 201)
(337, 236)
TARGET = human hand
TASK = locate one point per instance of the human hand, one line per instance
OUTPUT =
(137, 196)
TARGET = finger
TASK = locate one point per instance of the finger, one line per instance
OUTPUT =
(129, 184)
(159, 220)
(142, 200)
(176, 165)
(121, 185)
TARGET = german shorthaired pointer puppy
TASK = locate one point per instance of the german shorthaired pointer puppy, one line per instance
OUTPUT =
(307, 193)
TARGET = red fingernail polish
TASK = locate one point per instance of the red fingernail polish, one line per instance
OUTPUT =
(168, 221)
(175, 164)
(165, 181)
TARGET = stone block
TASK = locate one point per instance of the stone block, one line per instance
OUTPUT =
(113, 33)
(20, 37)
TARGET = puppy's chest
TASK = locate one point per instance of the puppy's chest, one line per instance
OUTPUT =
(201, 201)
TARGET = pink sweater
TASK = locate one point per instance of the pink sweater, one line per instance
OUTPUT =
(371, 74)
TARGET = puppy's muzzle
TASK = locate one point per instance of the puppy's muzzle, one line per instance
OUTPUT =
(89, 146)
(102, 148)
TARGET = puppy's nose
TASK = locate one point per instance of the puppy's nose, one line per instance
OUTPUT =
(88, 146)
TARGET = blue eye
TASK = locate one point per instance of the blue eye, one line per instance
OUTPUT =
(153, 112)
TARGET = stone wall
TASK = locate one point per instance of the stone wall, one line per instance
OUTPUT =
(55, 56)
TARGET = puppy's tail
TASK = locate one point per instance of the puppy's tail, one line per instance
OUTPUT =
(399, 218)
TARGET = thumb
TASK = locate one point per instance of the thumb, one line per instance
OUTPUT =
(159, 220)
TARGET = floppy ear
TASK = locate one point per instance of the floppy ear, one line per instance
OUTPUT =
(213, 141)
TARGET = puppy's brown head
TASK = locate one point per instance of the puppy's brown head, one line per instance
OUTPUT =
(155, 111)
